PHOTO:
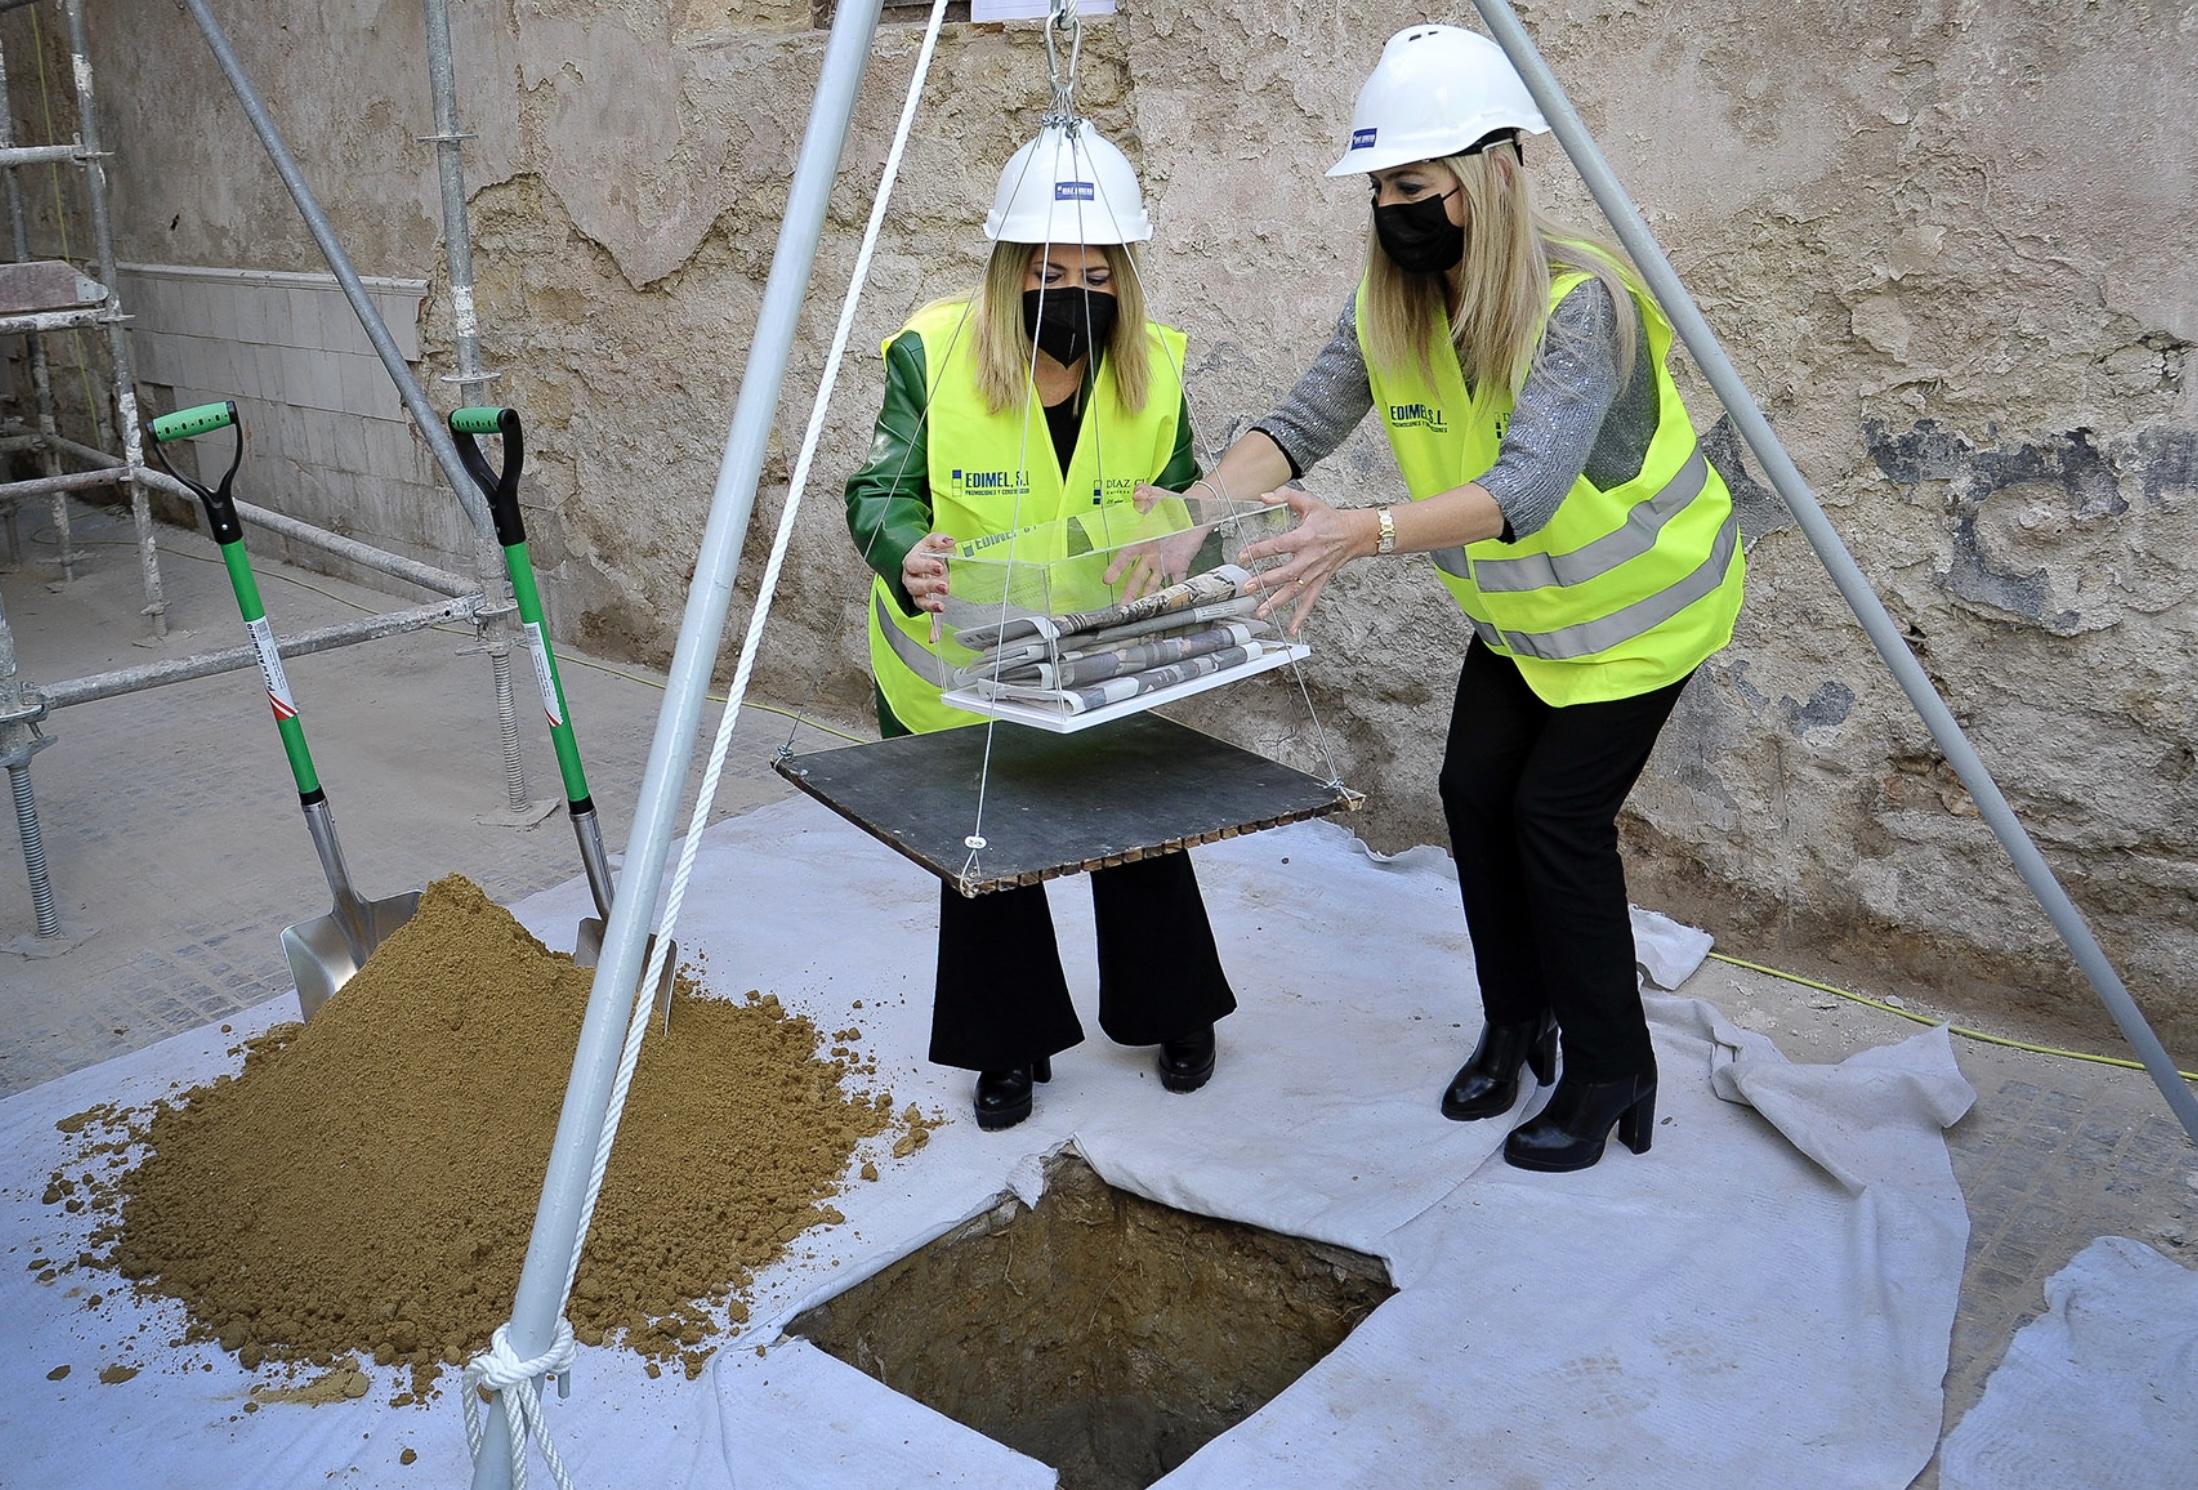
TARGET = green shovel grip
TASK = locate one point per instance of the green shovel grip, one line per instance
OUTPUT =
(477, 421)
(241, 580)
(186, 424)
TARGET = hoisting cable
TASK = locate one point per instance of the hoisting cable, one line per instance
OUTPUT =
(1297, 670)
(499, 1368)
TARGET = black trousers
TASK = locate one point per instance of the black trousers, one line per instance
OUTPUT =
(1532, 793)
(1002, 1000)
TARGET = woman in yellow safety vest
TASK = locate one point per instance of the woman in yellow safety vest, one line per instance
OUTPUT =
(1045, 397)
(1519, 371)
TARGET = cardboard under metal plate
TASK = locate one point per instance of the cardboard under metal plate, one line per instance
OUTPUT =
(1057, 804)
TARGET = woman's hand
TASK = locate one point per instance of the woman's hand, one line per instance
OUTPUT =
(1323, 541)
(1145, 567)
(923, 572)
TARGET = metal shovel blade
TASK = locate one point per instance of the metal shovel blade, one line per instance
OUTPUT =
(587, 951)
(321, 952)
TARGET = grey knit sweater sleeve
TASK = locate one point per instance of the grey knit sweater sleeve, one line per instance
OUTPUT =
(1570, 418)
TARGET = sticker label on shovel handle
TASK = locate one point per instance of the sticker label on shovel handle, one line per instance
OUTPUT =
(539, 650)
(270, 670)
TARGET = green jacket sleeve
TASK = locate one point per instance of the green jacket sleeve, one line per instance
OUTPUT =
(1182, 467)
(889, 499)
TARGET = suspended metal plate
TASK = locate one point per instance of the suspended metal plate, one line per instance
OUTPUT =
(1057, 804)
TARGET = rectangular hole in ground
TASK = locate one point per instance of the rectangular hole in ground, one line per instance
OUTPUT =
(1100, 1333)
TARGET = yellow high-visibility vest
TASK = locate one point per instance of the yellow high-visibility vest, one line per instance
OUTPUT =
(996, 474)
(1625, 589)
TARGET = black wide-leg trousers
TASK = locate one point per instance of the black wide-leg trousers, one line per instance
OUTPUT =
(1002, 999)
(1532, 794)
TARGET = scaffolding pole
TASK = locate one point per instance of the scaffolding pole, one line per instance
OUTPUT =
(295, 530)
(40, 368)
(1785, 477)
(554, 1241)
(495, 616)
(321, 639)
(466, 332)
(118, 339)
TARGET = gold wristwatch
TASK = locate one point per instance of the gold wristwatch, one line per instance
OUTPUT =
(1388, 543)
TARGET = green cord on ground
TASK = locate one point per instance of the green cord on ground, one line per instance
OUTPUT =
(1965, 1033)
(570, 657)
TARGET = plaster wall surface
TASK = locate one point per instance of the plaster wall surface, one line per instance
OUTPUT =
(1943, 239)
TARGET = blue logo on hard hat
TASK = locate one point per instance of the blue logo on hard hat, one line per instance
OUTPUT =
(1361, 138)
(1074, 191)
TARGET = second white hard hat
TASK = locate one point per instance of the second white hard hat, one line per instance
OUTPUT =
(1436, 91)
(1068, 187)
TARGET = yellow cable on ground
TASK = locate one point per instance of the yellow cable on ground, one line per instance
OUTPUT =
(568, 658)
(1965, 1033)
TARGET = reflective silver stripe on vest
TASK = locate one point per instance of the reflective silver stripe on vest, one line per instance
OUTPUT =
(1538, 571)
(1622, 625)
(918, 658)
(1633, 538)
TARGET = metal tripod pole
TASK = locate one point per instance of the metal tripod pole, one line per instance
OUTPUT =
(555, 1239)
(495, 622)
(495, 591)
(1709, 355)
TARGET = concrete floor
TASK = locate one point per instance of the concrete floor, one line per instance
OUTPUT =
(174, 841)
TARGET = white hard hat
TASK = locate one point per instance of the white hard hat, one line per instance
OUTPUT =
(1068, 186)
(1436, 91)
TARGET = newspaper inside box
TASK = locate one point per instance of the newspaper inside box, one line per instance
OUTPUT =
(1070, 623)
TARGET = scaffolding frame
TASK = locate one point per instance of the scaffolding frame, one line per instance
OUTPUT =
(484, 601)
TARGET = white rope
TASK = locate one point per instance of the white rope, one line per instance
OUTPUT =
(499, 1368)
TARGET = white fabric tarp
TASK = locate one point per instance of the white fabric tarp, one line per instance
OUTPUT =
(1771, 1288)
(2100, 1391)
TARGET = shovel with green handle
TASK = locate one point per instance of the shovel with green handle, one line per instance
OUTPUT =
(325, 952)
(501, 488)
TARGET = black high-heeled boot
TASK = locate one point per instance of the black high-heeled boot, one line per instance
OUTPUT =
(1186, 1063)
(1488, 1083)
(1571, 1131)
(1003, 1097)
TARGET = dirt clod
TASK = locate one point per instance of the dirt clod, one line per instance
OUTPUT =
(388, 1158)
(116, 1375)
(408, 1456)
(58, 1373)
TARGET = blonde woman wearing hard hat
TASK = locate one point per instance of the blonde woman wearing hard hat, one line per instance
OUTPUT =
(1519, 372)
(1045, 394)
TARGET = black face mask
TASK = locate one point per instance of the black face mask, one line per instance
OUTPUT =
(1420, 236)
(1066, 324)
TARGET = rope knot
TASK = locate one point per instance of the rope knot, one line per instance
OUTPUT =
(500, 1367)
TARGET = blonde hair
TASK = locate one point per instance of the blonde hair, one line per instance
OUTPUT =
(1498, 295)
(1001, 347)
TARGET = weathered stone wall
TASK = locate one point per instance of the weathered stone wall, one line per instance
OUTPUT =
(1946, 242)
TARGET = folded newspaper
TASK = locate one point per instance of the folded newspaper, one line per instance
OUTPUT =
(1081, 699)
(1211, 588)
(1086, 660)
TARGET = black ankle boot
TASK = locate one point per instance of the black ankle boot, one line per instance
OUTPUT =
(1186, 1064)
(1488, 1083)
(1003, 1097)
(1570, 1132)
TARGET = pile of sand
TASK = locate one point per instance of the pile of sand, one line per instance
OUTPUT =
(367, 1182)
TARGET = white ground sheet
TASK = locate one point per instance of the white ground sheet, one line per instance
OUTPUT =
(2101, 1391)
(1764, 1299)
